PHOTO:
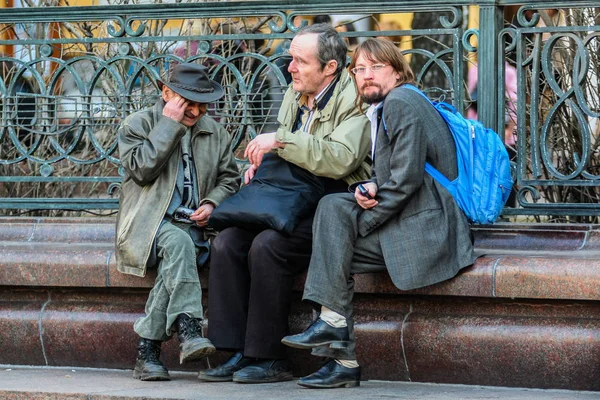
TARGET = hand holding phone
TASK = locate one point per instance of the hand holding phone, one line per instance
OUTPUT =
(183, 214)
(364, 192)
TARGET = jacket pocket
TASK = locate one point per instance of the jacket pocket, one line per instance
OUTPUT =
(127, 222)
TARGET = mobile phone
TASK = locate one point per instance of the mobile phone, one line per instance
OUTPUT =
(183, 214)
(363, 191)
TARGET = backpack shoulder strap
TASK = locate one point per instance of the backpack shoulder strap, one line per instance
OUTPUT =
(416, 89)
(407, 86)
(438, 176)
(430, 169)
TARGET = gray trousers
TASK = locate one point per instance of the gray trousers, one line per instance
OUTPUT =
(338, 253)
(177, 286)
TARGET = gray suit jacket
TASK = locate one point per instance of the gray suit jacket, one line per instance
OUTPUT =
(424, 236)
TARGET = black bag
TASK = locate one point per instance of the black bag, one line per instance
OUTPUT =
(278, 197)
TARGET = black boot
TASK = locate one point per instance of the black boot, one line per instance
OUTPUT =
(192, 345)
(148, 366)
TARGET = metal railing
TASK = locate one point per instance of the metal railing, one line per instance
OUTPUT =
(69, 75)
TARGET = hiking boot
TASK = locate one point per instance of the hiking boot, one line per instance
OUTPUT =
(192, 345)
(148, 366)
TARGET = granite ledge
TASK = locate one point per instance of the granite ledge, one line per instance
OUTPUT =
(499, 237)
(541, 261)
(490, 276)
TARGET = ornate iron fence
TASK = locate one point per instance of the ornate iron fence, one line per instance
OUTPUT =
(69, 75)
(558, 163)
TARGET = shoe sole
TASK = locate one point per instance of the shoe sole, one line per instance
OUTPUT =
(205, 378)
(197, 354)
(149, 378)
(279, 378)
(349, 384)
(333, 344)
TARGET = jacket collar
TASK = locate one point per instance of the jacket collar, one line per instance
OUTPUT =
(324, 106)
(320, 99)
(199, 128)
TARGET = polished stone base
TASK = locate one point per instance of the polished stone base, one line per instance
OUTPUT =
(51, 383)
(527, 314)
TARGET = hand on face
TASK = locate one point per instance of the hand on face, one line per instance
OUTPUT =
(182, 110)
(175, 107)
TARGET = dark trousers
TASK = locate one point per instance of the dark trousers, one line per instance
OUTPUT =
(339, 253)
(250, 287)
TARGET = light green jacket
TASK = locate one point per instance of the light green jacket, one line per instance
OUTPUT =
(150, 153)
(339, 139)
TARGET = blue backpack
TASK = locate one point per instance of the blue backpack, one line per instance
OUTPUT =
(484, 182)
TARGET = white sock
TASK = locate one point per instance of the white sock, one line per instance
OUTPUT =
(332, 318)
(348, 363)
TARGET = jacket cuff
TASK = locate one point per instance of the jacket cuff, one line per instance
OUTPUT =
(215, 197)
(207, 200)
(166, 125)
(352, 187)
(284, 136)
(366, 223)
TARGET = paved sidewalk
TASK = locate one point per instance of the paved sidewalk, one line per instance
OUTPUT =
(33, 383)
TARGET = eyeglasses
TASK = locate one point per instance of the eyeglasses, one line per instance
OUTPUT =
(374, 68)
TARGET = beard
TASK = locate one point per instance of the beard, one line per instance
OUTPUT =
(373, 97)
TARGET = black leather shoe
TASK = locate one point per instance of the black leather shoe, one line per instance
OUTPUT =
(224, 372)
(332, 375)
(318, 334)
(265, 371)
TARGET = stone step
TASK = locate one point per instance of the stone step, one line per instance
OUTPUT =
(522, 274)
(17, 383)
(57, 230)
(532, 274)
(506, 237)
(523, 343)
(546, 261)
(526, 314)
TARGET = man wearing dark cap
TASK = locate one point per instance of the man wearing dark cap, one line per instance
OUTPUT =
(178, 167)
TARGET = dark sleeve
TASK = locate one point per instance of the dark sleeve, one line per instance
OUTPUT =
(406, 132)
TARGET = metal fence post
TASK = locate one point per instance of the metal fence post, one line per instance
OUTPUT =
(491, 21)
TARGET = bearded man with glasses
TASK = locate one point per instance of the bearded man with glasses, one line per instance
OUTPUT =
(401, 220)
